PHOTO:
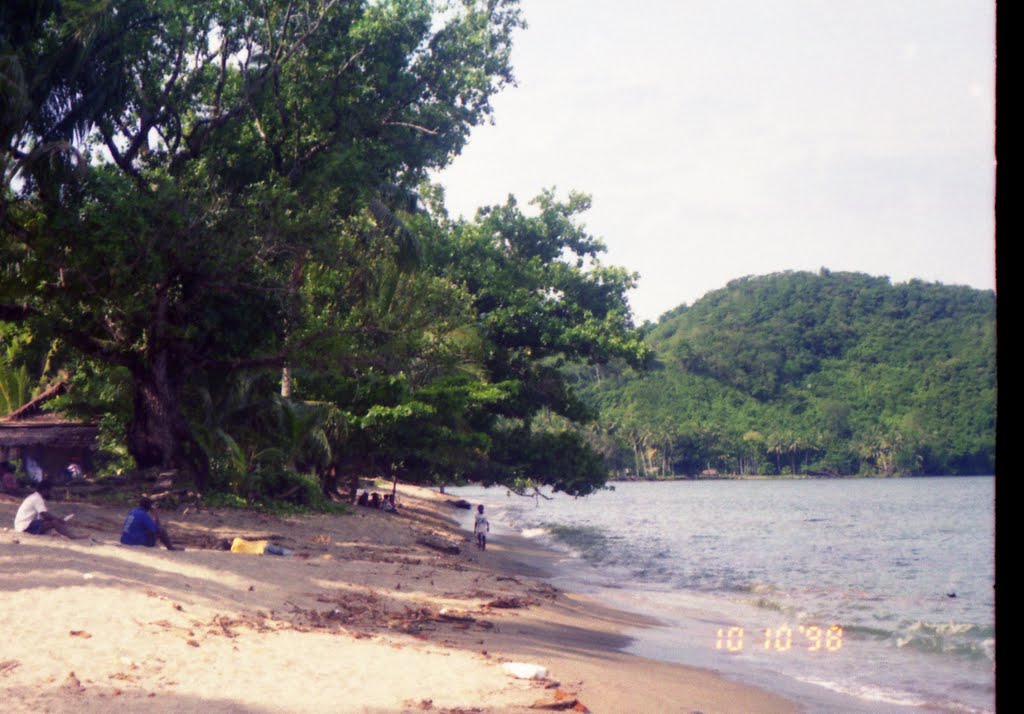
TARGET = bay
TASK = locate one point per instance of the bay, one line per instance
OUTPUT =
(866, 595)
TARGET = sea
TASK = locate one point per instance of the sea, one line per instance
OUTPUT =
(851, 595)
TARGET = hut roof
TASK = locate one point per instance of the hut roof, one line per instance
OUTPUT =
(28, 425)
(47, 430)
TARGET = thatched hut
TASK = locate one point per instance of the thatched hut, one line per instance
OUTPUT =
(49, 439)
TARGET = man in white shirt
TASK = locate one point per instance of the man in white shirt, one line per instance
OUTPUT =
(32, 516)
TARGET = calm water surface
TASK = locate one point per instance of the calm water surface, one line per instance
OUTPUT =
(756, 578)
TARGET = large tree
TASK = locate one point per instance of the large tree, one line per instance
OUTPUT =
(173, 171)
(543, 302)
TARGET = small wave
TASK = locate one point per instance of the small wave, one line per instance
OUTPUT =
(868, 693)
(881, 696)
(870, 632)
(953, 638)
(535, 532)
(766, 604)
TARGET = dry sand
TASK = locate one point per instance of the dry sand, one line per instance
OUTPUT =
(366, 618)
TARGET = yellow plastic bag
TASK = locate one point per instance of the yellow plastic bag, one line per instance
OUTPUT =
(254, 547)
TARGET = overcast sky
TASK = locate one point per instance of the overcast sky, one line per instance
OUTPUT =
(723, 138)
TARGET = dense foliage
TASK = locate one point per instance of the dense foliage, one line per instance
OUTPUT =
(834, 373)
(213, 222)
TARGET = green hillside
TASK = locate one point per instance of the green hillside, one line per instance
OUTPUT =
(829, 373)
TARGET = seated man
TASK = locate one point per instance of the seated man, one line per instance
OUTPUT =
(32, 516)
(142, 527)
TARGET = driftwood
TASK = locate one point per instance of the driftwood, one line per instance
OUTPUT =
(572, 704)
(562, 701)
(510, 603)
(450, 617)
(442, 547)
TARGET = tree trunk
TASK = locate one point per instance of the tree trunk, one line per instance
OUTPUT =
(286, 382)
(158, 435)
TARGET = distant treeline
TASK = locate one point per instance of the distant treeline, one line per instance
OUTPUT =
(801, 373)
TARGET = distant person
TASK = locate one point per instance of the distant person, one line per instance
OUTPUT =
(375, 500)
(142, 527)
(481, 526)
(73, 471)
(8, 477)
(388, 503)
(33, 516)
(34, 471)
(364, 499)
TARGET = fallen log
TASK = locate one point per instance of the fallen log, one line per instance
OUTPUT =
(439, 546)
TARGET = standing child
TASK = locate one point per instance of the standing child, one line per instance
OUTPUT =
(481, 527)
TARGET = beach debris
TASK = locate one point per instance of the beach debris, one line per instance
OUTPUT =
(510, 603)
(80, 633)
(72, 684)
(544, 590)
(525, 670)
(454, 615)
(561, 701)
(442, 547)
(570, 704)
(8, 664)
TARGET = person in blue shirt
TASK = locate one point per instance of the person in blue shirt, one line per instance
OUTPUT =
(142, 527)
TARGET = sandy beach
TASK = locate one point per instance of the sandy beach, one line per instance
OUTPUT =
(371, 614)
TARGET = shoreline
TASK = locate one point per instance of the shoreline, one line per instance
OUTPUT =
(791, 477)
(371, 618)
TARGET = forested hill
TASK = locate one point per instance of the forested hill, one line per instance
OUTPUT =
(828, 373)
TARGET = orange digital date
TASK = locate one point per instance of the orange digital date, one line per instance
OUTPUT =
(812, 638)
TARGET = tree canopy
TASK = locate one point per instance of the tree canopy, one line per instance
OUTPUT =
(214, 216)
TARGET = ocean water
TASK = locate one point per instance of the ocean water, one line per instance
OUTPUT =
(856, 595)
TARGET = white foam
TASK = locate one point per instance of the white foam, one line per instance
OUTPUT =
(535, 532)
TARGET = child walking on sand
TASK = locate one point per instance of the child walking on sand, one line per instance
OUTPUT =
(481, 527)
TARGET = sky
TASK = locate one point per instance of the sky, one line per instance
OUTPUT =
(725, 138)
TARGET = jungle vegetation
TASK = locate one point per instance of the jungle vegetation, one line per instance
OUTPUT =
(215, 224)
(803, 373)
